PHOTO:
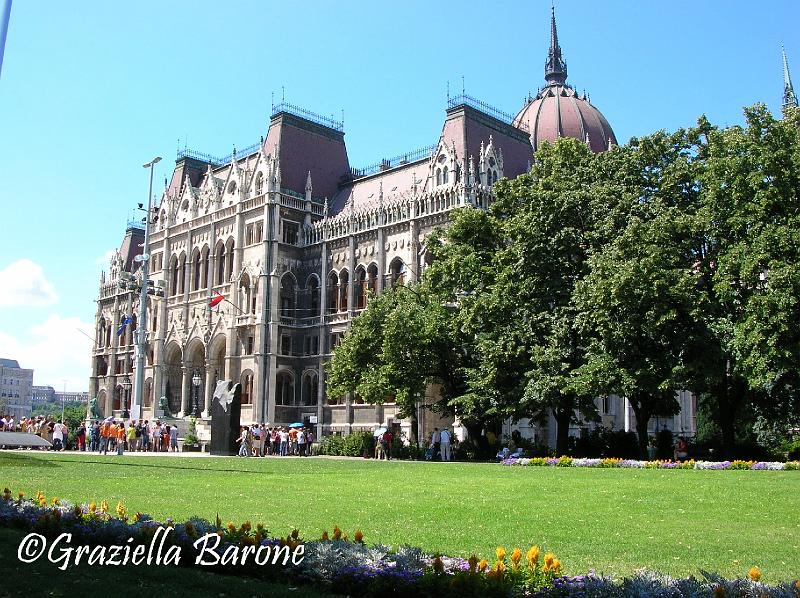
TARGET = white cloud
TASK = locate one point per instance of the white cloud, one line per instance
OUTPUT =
(23, 283)
(105, 259)
(55, 350)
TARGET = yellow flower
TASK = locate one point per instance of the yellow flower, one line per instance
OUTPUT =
(337, 533)
(482, 565)
(231, 527)
(532, 556)
(41, 499)
(358, 536)
(501, 553)
(499, 566)
(92, 507)
(121, 510)
(21, 495)
(754, 573)
(55, 502)
(104, 506)
(548, 560)
(516, 556)
(556, 565)
(325, 536)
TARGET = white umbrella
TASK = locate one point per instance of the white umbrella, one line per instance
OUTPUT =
(378, 432)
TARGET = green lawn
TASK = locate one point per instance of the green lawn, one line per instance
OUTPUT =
(611, 520)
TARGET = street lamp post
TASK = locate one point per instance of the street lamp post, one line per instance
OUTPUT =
(142, 330)
(196, 383)
(126, 386)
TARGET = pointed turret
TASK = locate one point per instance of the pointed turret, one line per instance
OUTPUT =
(555, 69)
(789, 97)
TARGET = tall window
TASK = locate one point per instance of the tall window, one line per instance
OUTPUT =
(313, 301)
(247, 388)
(290, 231)
(284, 388)
(444, 175)
(344, 280)
(220, 263)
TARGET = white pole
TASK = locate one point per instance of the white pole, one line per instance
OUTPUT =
(4, 30)
(142, 331)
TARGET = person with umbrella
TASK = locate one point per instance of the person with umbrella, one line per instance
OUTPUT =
(386, 444)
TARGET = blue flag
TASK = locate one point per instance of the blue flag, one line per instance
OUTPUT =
(125, 321)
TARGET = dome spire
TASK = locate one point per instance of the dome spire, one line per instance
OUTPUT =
(789, 97)
(555, 69)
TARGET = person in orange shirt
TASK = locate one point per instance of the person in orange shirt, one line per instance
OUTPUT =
(105, 435)
(121, 438)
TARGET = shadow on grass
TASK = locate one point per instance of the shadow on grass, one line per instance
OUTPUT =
(24, 459)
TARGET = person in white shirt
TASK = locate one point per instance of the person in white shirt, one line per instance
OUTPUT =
(58, 437)
(444, 443)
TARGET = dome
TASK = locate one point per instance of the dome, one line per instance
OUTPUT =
(558, 111)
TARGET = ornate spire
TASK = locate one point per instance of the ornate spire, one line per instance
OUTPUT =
(789, 97)
(555, 69)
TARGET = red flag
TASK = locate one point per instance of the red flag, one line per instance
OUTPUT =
(216, 301)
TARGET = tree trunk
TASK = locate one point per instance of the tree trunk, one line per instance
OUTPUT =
(563, 417)
(642, 419)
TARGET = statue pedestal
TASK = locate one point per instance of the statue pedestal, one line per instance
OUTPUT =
(225, 421)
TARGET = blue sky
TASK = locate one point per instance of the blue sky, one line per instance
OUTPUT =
(92, 90)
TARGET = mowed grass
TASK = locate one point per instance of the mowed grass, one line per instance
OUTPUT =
(612, 520)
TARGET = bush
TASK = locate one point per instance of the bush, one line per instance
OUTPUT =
(357, 444)
(664, 441)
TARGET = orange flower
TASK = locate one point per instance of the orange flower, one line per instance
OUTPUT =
(358, 536)
(719, 592)
(754, 573)
(516, 556)
(246, 526)
(121, 510)
(325, 536)
(532, 556)
(337, 533)
(482, 565)
(501, 553)
(548, 560)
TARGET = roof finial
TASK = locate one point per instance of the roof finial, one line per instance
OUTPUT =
(789, 97)
(555, 69)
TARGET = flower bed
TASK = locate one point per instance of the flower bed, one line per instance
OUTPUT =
(636, 464)
(336, 562)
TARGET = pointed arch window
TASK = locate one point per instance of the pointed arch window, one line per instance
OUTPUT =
(444, 175)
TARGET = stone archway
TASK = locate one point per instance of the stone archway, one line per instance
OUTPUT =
(173, 376)
(195, 363)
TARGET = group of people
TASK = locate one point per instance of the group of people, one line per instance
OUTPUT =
(50, 429)
(258, 440)
(441, 446)
(114, 435)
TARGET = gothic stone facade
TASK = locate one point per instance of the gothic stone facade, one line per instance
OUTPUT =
(294, 239)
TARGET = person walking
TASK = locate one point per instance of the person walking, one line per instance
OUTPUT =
(284, 442)
(386, 444)
(173, 439)
(243, 441)
(131, 434)
(121, 438)
(444, 443)
(301, 442)
(436, 441)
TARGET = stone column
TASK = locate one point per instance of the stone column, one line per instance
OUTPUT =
(209, 390)
(186, 391)
(381, 261)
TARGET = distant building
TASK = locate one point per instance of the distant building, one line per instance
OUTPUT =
(41, 395)
(71, 397)
(15, 389)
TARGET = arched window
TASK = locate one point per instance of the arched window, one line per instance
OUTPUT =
(360, 287)
(310, 388)
(313, 301)
(444, 175)
(344, 280)
(259, 183)
(244, 292)
(220, 263)
(397, 272)
(196, 270)
(284, 388)
(438, 176)
(206, 259)
(173, 266)
(247, 387)
(229, 260)
(333, 292)
(287, 296)
(372, 278)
